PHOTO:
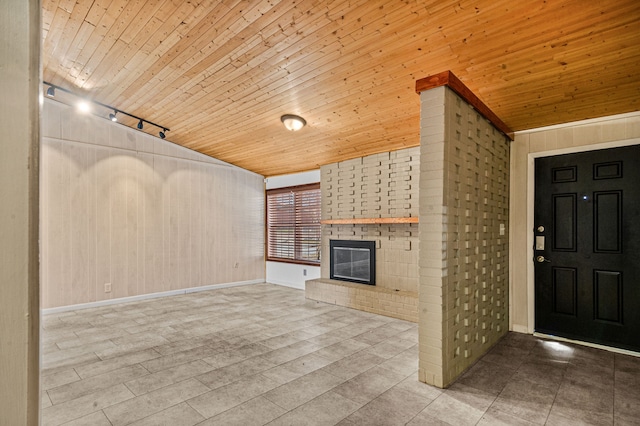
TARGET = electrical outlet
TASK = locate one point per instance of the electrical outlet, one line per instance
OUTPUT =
(304, 272)
(107, 287)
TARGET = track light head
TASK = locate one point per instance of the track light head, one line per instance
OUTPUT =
(51, 92)
(140, 125)
(113, 117)
(162, 134)
(83, 106)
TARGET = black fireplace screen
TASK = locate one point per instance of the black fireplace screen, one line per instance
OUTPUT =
(353, 261)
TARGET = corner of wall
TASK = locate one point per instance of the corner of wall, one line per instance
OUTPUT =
(20, 29)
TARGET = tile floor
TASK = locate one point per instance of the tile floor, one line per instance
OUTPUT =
(262, 354)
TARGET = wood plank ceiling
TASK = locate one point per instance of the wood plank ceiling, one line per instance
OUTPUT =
(221, 73)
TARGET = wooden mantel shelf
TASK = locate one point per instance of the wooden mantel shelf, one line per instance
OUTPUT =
(369, 221)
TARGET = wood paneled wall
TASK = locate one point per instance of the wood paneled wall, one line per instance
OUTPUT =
(122, 207)
(19, 286)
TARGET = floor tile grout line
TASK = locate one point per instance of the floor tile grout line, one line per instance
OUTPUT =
(299, 310)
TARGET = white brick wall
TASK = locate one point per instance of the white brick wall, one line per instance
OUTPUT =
(379, 185)
(463, 259)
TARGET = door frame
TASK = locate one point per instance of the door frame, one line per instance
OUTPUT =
(530, 213)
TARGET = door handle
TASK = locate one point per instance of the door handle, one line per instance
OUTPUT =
(541, 259)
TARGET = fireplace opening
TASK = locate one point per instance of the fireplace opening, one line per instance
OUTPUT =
(353, 261)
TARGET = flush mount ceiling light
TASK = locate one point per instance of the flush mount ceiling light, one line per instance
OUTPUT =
(293, 122)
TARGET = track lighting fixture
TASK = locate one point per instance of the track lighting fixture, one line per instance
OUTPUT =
(84, 105)
(293, 122)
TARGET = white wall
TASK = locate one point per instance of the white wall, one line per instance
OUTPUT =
(293, 179)
(290, 274)
(145, 215)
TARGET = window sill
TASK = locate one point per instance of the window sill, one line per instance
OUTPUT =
(295, 262)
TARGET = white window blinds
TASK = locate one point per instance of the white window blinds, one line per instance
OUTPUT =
(293, 224)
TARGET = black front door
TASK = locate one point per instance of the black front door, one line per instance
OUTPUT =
(587, 246)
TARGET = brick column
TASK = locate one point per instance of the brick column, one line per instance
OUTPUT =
(463, 258)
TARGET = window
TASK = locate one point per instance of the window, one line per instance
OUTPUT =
(293, 224)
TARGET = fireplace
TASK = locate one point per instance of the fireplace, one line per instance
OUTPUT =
(353, 261)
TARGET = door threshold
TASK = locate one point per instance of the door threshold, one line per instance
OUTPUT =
(589, 344)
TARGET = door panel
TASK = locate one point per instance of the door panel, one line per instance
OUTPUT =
(564, 222)
(587, 208)
(607, 216)
(608, 296)
(564, 291)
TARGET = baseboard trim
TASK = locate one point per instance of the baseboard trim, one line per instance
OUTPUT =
(591, 345)
(286, 284)
(520, 329)
(146, 296)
